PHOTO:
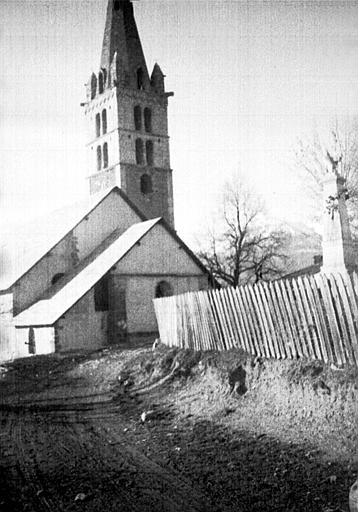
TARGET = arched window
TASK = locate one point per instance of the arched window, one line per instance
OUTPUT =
(149, 152)
(100, 82)
(148, 120)
(101, 289)
(93, 86)
(140, 79)
(105, 155)
(163, 289)
(137, 117)
(104, 121)
(57, 277)
(99, 158)
(139, 151)
(98, 125)
(146, 185)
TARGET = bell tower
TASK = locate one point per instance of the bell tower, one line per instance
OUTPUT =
(127, 120)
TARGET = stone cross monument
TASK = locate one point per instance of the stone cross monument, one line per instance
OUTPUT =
(337, 245)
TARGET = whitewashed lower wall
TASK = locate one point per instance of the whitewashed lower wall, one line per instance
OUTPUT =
(7, 331)
(82, 327)
(44, 340)
(140, 294)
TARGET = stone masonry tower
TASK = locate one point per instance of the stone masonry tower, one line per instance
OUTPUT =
(126, 112)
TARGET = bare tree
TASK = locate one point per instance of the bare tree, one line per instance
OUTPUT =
(243, 250)
(340, 147)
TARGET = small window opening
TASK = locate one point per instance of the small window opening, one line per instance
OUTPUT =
(57, 277)
(163, 289)
(148, 120)
(137, 117)
(101, 292)
(104, 121)
(105, 155)
(99, 158)
(93, 86)
(140, 79)
(32, 341)
(149, 152)
(139, 151)
(100, 83)
(104, 72)
(98, 125)
(146, 184)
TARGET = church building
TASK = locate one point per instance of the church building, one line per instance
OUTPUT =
(85, 276)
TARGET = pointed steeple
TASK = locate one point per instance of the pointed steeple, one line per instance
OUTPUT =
(121, 37)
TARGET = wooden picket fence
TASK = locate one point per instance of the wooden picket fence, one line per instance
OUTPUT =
(313, 317)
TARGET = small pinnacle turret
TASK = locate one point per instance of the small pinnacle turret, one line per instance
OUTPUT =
(127, 119)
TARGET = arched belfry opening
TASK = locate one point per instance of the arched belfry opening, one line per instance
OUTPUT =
(140, 79)
(127, 111)
(139, 152)
(137, 117)
(93, 86)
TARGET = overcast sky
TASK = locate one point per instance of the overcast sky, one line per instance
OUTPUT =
(249, 78)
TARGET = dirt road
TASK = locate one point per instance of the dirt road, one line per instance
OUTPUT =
(73, 438)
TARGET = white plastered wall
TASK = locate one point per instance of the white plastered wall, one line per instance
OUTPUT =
(82, 327)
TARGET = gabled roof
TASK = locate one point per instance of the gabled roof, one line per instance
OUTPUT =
(22, 248)
(48, 310)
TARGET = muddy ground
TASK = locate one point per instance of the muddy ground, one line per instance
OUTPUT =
(129, 429)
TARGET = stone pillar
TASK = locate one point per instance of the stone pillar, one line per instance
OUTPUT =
(338, 253)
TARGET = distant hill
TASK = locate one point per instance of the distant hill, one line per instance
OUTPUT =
(304, 243)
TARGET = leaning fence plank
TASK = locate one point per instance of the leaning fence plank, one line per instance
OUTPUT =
(195, 321)
(339, 294)
(249, 320)
(205, 311)
(222, 319)
(238, 335)
(228, 317)
(276, 311)
(343, 285)
(249, 308)
(215, 333)
(221, 343)
(303, 329)
(271, 319)
(259, 321)
(289, 345)
(293, 315)
(354, 312)
(244, 320)
(331, 316)
(264, 322)
(268, 319)
(313, 350)
(319, 325)
(204, 333)
(305, 313)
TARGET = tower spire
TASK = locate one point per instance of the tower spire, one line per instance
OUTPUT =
(121, 37)
(127, 117)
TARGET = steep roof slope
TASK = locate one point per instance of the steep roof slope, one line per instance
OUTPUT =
(49, 309)
(22, 248)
